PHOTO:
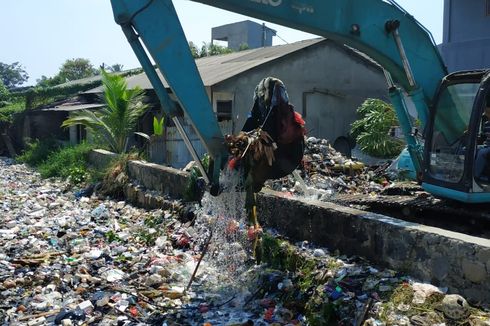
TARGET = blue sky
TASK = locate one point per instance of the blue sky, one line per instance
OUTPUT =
(41, 35)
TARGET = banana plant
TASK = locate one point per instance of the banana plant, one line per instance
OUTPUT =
(158, 126)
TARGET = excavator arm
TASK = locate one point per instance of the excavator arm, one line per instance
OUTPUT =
(380, 29)
(366, 25)
(154, 24)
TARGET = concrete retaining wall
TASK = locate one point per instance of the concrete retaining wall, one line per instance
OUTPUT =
(443, 258)
(100, 158)
(167, 180)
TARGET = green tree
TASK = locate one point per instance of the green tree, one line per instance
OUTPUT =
(243, 47)
(73, 69)
(209, 49)
(371, 130)
(117, 120)
(4, 93)
(117, 67)
(215, 49)
(49, 81)
(194, 50)
(12, 75)
(204, 50)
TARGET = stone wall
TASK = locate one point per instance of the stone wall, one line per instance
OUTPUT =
(443, 258)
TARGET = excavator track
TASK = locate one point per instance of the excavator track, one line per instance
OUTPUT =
(413, 204)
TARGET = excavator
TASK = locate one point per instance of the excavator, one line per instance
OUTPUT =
(444, 138)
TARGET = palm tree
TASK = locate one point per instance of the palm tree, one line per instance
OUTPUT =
(117, 120)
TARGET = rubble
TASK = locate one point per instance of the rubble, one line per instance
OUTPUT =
(66, 259)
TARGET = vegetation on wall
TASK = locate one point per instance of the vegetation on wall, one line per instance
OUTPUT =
(4, 93)
(371, 130)
(36, 151)
(7, 113)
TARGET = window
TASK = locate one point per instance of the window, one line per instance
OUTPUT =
(449, 141)
(223, 110)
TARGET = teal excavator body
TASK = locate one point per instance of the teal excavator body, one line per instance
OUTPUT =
(448, 107)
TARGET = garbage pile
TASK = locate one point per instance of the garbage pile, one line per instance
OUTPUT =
(66, 259)
(326, 172)
(340, 290)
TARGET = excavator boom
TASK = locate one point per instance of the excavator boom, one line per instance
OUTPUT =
(379, 28)
(155, 24)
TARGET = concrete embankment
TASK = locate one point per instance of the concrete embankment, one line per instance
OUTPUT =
(443, 258)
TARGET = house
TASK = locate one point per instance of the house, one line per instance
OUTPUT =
(44, 121)
(326, 83)
(466, 41)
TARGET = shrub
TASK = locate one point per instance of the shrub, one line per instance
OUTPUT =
(68, 162)
(371, 131)
(4, 92)
(37, 151)
(195, 188)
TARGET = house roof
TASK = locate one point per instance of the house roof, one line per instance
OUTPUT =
(68, 107)
(215, 69)
(88, 80)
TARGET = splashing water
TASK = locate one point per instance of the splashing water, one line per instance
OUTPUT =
(225, 217)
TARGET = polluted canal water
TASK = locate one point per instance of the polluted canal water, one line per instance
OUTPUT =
(94, 261)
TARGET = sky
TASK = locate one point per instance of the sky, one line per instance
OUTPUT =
(41, 35)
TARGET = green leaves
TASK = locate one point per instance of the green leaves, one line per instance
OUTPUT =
(158, 126)
(116, 121)
(208, 49)
(371, 131)
(12, 75)
(73, 69)
(4, 92)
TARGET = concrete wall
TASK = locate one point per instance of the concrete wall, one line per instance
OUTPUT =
(168, 181)
(325, 82)
(42, 124)
(246, 32)
(443, 258)
(466, 41)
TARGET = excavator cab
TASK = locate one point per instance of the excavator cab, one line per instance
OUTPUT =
(454, 144)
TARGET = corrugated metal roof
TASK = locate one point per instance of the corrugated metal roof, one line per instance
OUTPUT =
(215, 69)
(88, 80)
(72, 107)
